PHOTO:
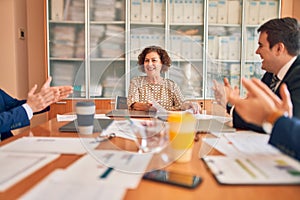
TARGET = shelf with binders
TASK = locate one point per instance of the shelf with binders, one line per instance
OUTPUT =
(259, 11)
(141, 36)
(107, 41)
(185, 42)
(66, 41)
(107, 78)
(252, 61)
(147, 11)
(189, 77)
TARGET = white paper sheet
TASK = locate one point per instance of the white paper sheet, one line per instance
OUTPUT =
(64, 118)
(124, 161)
(222, 145)
(124, 128)
(222, 119)
(262, 169)
(252, 143)
(127, 168)
(16, 166)
(55, 186)
(50, 145)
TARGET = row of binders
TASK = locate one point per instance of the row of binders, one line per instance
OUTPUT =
(74, 10)
(229, 11)
(181, 46)
(190, 11)
(181, 11)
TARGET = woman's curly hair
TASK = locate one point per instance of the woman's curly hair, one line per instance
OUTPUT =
(164, 57)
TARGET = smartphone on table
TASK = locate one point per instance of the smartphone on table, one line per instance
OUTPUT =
(174, 178)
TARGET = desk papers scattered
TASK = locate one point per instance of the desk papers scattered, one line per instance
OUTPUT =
(221, 144)
(242, 143)
(55, 187)
(105, 177)
(272, 169)
(16, 166)
(251, 143)
(124, 128)
(222, 119)
(250, 160)
(62, 145)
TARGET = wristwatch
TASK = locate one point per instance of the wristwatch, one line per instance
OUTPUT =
(268, 124)
(228, 107)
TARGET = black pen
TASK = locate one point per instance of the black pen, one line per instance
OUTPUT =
(107, 172)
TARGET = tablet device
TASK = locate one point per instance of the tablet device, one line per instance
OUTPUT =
(99, 125)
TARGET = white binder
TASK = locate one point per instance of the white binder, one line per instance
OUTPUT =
(212, 12)
(135, 11)
(57, 9)
(198, 11)
(222, 12)
(188, 11)
(146, 11)
(234, 12)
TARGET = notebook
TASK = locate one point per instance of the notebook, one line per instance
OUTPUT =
(99, 125)
(130, 113)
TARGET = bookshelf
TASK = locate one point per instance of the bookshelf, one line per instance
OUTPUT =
(94, 44)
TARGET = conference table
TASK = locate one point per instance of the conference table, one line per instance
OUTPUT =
(208, 189)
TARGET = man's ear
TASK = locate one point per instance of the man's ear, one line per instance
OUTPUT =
(280, 48)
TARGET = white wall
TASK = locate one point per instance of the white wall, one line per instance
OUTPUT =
(13, 51)
(22, 62)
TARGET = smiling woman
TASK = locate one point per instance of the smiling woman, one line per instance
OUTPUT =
(144, 90)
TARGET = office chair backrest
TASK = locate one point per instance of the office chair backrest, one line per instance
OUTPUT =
(121, 102)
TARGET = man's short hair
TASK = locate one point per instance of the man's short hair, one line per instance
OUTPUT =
(285, 30)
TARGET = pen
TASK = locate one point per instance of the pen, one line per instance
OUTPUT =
(106, 173)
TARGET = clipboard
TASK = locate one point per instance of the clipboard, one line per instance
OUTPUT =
(254, 170)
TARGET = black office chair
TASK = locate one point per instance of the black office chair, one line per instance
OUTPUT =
(121, 102)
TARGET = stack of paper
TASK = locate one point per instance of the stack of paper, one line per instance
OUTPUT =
(107, 175)
(249, 160)
(15, 166)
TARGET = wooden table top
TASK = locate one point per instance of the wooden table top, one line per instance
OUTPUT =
(209, 188)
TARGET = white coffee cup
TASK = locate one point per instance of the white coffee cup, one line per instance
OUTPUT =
(85, 111)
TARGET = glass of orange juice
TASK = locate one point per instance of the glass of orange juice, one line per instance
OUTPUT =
(181, 135)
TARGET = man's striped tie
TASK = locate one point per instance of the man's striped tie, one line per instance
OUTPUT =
(274, 82)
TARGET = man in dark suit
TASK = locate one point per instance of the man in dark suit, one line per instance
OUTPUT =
(272, 113)
(16, 113)
(279, 47)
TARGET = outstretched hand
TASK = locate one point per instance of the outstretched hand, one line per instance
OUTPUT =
(47, 95)
(222, 92)
(261, 101)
